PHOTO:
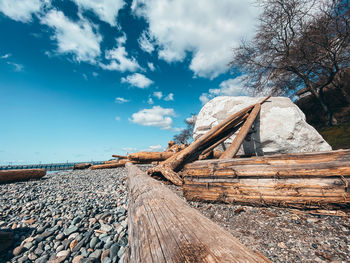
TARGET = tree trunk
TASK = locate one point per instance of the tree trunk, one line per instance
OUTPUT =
(164, 228)
(7, 176)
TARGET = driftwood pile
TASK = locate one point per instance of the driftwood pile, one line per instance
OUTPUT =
(304, 180)
(141, 157)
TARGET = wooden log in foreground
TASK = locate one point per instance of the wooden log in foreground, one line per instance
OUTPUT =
(172, 165)
(163, 228)
(315, 180)
(148, 157)
(8, 176)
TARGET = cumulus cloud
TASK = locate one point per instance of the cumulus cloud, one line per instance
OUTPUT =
(21, 10)
(151, 66)
(209, 30)
(156, 117)
(145, 42)
(76, 38)
(106, 10)
(137, 80)
(129, 149)
(169, 97)
(158, 94)
(120, 100)
(230, 87)
(119, 58)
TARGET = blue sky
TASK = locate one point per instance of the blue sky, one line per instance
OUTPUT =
(83, 79)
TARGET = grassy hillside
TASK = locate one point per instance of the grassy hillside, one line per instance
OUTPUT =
(337, 136)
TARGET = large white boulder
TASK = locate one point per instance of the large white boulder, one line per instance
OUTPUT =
(279, 128)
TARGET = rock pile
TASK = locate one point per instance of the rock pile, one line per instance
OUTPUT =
(78, 216)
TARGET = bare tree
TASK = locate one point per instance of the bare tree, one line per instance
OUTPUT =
(299, 44)
(185, 136)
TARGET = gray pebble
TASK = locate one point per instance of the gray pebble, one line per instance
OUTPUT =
(70, 230)
(96, 253)
(93, 242)
(113, 251)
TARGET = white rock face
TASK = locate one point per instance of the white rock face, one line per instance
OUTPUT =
(279, 128)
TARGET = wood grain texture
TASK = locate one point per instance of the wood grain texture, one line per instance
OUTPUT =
(150, 156)
(8, 176)
(310, 180)
(163, 228)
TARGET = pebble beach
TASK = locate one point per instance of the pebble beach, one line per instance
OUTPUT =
(76, 216)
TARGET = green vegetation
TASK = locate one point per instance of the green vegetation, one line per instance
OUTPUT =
(337, 136)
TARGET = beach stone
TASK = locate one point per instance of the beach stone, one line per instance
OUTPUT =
(17, 250)
(70, 230)
(113, 251)
(105, 227)
(77, 259)
(60, 236)
(93, 242)
(104, 254)
(63, 253)
(96, 253)
(279, 128)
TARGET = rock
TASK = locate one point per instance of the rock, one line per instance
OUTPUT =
(32, 256)
(63, 253)
(77, 259)
(73, 244)
(29, 221)
(106, 260)
(70, 230)
(104, 254)
(95, 254)
(105, 227)
(28, 245)
(59, 248)
(280, 128)
(93, 242)
(121, 252)
(113, 251)
(60, 236)
(17, 250)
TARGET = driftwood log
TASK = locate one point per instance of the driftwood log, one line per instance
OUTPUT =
(8, 176)
(111, 161)
(314, 180)
(81, 166)
(163, 228)
(171, 166)
(120, 163)
(236, 143)
(148, 157)
(119, 156)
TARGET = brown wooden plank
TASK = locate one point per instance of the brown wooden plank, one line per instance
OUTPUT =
(232, 150)
(174, 231)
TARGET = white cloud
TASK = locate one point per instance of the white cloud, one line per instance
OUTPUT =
(209, 30)
(21, 10)
(77, 38)
(137, 80)
(5, 56)
(106, 10)
(151, 66)
(129, 149)
(120, 100)
(156, 116)
(150, 101)
(145, 42)
(169, 97)
(230, 87)
(119, 58)
(16, 67)
(158, 94)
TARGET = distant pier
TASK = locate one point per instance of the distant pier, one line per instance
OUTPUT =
(48, 167)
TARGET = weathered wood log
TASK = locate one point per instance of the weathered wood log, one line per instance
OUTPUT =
(112, 161)
(81, 166)
(120, 163)
(314, 180)
(8, 176)
(238, 140)
(172, 165)
(148, 157)
(163, 228)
